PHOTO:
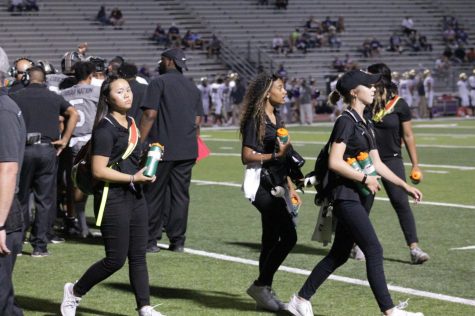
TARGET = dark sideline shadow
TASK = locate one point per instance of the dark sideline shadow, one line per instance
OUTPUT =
(204, 298)
(301, 249)
(397, 260)
(51, 308)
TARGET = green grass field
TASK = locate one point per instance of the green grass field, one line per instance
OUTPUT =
(222, 221)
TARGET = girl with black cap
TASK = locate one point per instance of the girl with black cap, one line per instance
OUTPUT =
(391, 116)
(351, 135)
(263, 151)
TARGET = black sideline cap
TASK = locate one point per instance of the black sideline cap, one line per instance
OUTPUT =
(177, 56)
(354, 78)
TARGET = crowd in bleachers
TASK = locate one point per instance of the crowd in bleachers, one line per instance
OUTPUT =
(19, 6)
(312, 34)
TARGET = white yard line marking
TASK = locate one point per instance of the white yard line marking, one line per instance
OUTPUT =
(400, 289)
(237, 185)
(464, 248)
(424, 165)
(323, 143)
(226, 148)
(436, 171)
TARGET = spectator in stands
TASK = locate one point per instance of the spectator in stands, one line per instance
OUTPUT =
(471, 55)
(338, 64)
(15, 5)
(327, 23)
(197, 40)
(214, 47)
(375, 47)
(160, 35)
(281, 4)
(116, 18)
(31, 5)
(82, 50)
(278, 43)
(459, 55)
(395, 43)
(281, 71)
(449, 35)
(101, 16)
(365, 48)
(412, 41)
(340, 24)
(424, 44)
(461, 36)
(407, 25)
(188, 40)
(312, 24)
(442, 66)
(263, 2)
(333, 40)
(174, 35)
(294, 36)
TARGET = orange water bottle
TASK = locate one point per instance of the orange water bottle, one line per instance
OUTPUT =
(416, 177)
(283, 135)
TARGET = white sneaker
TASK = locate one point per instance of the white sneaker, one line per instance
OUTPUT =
(265, 298)
(70, 302)
(357, 254)
(299, 306)
(398, 310)
(149, 311)
(418, 256)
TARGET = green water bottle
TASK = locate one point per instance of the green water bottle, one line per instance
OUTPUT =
(355, 165)
(154, 155)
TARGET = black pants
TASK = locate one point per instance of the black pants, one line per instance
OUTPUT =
(8, 306)
(279, 235)
(124, 231)
(400, 200)
(38, 174)
(169, 211)
(353, 226)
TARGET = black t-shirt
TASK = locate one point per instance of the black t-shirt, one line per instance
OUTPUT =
(357, 139)
(110, 139)
(178, 102)
(268, 146)
(138, 90)
(41, 109)
(389, 130)
(12, 148)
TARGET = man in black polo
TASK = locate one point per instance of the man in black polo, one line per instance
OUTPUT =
(12, 147)
(18, 72)
(174, 102)
(41, 109)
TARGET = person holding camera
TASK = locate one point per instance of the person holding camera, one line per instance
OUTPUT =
(272, 195)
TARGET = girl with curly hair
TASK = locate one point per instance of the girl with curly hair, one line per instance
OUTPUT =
(261, 149)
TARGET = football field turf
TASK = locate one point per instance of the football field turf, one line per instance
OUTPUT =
(224, 229)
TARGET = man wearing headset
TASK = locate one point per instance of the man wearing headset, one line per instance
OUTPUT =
(18, 72)
(41, 109)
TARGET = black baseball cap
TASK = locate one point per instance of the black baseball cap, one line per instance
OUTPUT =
(177, 55)
(354, 78)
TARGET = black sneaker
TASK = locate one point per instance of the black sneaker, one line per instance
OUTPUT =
(153, 249)
(176, 248)
(56, 240)
(39, 253)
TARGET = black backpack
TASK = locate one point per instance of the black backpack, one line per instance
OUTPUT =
(321, 171)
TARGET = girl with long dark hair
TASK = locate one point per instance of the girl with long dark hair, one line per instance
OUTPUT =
(262, 151)
(351, 135)
(125, 219)
(391, 116)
